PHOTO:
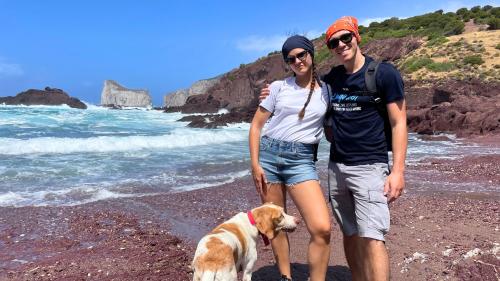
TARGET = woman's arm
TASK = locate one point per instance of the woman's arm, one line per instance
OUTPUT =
(259, 119)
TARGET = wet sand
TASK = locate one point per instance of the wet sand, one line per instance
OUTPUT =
(434, 235)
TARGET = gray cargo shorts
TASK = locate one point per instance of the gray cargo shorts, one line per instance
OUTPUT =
(357, 198)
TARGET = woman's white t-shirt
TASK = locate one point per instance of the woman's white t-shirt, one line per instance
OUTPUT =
(285, 101)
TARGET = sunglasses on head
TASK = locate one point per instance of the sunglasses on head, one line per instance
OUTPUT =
(301, 56)
(345, 38)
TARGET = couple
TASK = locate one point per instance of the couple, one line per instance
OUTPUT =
(360, 182)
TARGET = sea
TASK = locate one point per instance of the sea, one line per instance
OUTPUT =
(57, 155)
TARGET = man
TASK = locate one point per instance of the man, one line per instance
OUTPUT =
(360, 182)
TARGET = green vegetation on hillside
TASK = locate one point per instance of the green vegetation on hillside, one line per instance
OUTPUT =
(434, 25)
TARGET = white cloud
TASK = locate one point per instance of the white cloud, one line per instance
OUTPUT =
(260, 43)
(256, 43)
(313, 34)
(10, 69)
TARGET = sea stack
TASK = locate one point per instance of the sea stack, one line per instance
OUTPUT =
(49, 96)
(117, 96)
(179, 97)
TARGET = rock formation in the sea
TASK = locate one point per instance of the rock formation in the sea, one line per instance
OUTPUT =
(117, 96)
(49, 96)
(179, 97)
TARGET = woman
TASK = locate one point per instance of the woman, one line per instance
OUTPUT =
(283, 160)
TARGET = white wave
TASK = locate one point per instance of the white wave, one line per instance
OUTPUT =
(243, 126)
(61, 106)
(178, 139)
(10, 199)
(232, 178)
(66, 197)
(87, 194)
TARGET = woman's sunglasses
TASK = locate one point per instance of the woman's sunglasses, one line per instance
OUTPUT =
(301, 56)
(345, 38)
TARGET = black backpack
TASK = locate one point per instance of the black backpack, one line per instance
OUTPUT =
(371, 91)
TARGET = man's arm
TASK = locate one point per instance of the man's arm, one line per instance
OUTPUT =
(395, 182)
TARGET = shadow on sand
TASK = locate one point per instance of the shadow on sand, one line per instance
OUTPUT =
(300, 272)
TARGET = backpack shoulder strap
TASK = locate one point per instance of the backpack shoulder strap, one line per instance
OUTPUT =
(370, 76)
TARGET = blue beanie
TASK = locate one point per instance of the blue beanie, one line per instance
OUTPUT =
(297, 41)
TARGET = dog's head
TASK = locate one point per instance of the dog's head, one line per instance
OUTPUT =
(270, 219)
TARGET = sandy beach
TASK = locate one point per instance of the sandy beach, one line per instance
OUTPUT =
(434, 235)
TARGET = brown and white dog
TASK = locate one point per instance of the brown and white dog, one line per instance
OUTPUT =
(232, 244)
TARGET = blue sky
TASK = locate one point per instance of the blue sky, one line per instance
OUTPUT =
(162, 46)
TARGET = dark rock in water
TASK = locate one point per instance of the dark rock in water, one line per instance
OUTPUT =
(211, 121)
(49, 96)
(200, 121)
(112, 106)
(435, 138)
(172, 109)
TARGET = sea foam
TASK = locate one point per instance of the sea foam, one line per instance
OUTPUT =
(177, 139)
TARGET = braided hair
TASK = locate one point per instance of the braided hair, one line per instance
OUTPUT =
(311, 90)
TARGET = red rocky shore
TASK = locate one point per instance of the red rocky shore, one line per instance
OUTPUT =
(434, 235)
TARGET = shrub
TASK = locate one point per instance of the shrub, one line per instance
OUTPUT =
(473, 60)
(440, 66)
(437, 41)
(321, 54)
(493, 23)
(415, 63)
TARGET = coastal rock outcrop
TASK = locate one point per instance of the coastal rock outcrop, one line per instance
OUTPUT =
(48, 96)
(115, 95)
(463, 107)
(179, 97)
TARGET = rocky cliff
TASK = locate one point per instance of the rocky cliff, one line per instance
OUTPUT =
(49, 96)
(179, 97)
(115, 95)
(463, 107)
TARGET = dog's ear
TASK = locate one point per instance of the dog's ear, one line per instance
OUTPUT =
(266, 220)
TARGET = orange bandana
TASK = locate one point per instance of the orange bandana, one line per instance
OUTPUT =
(344, 23)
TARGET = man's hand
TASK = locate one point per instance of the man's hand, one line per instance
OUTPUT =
(394, 186)
(264, 92)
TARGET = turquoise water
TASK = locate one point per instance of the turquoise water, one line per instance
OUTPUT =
(64, 156)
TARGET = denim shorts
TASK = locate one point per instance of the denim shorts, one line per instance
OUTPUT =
(286, 162)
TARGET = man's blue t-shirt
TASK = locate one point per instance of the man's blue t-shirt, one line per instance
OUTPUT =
(358, 127)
